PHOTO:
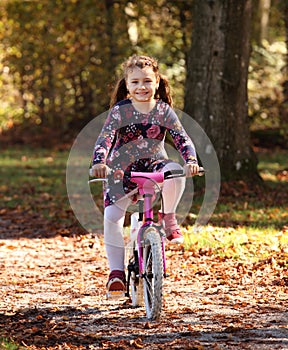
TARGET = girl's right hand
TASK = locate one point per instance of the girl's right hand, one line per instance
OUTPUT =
(100, 170)
(191, 169)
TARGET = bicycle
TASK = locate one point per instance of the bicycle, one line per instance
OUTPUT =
(147, 261)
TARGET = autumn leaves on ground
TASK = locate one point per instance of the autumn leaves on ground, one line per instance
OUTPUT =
(227, 289)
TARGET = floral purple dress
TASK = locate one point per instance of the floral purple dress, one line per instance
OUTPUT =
(133, 141)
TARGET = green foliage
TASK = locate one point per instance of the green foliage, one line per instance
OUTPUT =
(59, 58)
(162, 29)
(56, 54)
(265, 84)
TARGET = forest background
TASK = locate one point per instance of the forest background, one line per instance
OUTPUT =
(59, 60)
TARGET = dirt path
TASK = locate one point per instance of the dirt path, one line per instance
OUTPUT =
(51, 297)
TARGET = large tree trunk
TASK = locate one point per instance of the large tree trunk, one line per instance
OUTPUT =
(216, 86)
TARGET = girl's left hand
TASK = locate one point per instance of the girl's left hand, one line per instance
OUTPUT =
(191, 169)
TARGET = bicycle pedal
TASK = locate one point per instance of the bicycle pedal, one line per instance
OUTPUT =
(116, 294)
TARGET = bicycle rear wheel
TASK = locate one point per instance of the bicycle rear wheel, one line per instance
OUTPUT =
(153, 273)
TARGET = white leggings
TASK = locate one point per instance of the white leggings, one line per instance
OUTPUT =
(114, 216)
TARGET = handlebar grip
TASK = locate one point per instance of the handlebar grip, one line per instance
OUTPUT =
(201, 170)
(172, 172)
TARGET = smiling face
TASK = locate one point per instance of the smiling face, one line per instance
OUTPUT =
(142, 84)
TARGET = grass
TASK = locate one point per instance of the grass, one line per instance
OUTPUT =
(250, 213)
(33, 179)
(238, 243)
(270, 163)
(263, 207)
(6, 344)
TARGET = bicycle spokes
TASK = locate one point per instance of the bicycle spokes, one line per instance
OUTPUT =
(152, 273)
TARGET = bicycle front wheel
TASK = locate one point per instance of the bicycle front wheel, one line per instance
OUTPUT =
(153, 273)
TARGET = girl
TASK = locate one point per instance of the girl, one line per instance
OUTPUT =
(132, 139)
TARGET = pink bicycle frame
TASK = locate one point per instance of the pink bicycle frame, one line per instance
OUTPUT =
(146, 183)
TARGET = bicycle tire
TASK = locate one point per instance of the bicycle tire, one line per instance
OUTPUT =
(153, 273)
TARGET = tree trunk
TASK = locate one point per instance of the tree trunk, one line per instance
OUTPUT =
(260, 20)
(216, 85)
(264, 9)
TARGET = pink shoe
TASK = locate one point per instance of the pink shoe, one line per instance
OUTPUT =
(116, 285)
(171, 227)
(176, 237)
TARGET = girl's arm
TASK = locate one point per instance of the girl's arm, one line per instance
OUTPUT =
(181, 139)
(105, 139)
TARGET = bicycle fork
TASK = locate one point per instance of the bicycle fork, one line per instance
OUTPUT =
(147, 203)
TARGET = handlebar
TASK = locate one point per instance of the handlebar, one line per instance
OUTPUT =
(119, 174)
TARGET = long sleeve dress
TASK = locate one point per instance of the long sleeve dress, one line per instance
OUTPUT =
(133, 141)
